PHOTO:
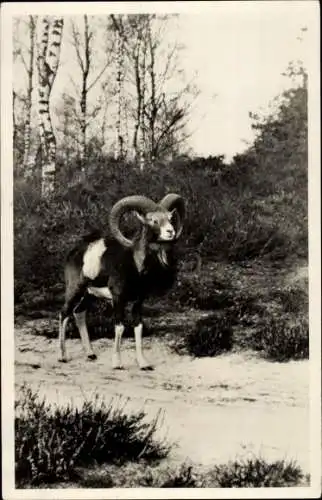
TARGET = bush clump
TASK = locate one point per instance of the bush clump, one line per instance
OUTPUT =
(256, 473)
(50, 442)
(246, 473)
(201, 291)
(211, 336)
(282, 338)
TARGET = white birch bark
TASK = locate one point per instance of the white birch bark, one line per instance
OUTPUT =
(47, 63)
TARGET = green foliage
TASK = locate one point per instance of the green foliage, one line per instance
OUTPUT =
(50, 442)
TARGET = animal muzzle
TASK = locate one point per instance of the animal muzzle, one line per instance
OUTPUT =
(167, 233)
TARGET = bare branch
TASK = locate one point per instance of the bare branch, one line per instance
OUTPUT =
(23, 61)
(73, 83)
(100, 74)
(76, 44)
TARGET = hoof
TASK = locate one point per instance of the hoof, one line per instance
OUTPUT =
(118, 367)
(91, 357)
(62, 360)
(147, 368)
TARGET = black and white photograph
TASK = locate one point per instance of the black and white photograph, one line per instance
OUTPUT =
(160, 250)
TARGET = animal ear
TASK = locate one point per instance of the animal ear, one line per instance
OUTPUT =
(173, 213)
(139, 216)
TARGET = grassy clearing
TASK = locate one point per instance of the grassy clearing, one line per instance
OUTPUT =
(51, 442)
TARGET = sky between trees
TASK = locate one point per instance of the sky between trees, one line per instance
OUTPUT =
(235, 52)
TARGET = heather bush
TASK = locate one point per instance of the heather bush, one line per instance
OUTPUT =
(255, 473)
(284, 338)
(266, 316)
(51, 441)
(211, 336)
(201, 290)
(243, 473)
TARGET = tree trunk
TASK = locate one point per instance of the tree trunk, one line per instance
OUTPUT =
(84, 92)
(138, 96)
(28, 160)
(142, 142)
(139, 64)
(47, 61)
(119, 143)
(153, 103)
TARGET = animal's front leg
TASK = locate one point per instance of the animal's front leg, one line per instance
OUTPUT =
(138, 329)
(118, 329)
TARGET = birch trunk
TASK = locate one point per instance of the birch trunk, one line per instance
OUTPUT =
(47, 62)
(153, 103)
(119, 143)
(142, 142)
(28, 159)
(84, 91)
(139, 68)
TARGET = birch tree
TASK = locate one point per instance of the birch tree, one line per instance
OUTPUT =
(130, 29)
(26, 54)
(162, 99)
(169, 97)
(47, 63)
(120, 41)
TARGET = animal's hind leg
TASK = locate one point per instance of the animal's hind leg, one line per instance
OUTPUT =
(63, 321)
(80, 320)
(118, 330)
(75, 292)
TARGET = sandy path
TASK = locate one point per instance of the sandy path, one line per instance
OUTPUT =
(214, 408)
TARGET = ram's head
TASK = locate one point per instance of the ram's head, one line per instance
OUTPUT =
(164, 220)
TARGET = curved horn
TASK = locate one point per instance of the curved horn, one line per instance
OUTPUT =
(139, 203)
(175, 201)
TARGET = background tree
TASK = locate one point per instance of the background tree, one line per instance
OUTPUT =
(83, 37)
(47, 63)
(158, 102)
(120, 41)
(26, 54)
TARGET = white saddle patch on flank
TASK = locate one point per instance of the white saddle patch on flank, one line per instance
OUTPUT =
(101, 292)
(92, 259)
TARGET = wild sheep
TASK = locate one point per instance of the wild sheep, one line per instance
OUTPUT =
(123, 270)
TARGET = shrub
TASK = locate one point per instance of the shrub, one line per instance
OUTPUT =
(51, 441)
(256, 473)
(202, 291)
(293, 300)
(211, 336)
(247, 473)
(184, 477)
(284, 338)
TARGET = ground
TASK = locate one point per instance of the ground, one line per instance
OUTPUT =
(214, 409)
